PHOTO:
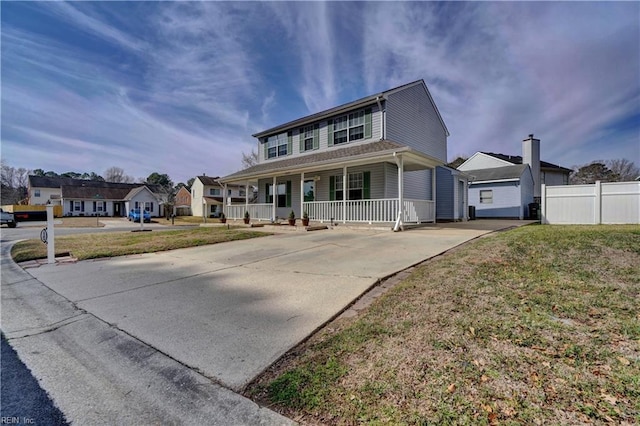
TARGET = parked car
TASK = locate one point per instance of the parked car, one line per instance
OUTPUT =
(134, 215)
(8, 219)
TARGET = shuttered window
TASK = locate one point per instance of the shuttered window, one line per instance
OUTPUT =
(309, 138)
(350, 127)
(278, 145)
(358, 186)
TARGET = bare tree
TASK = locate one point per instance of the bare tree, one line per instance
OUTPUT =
(15, 183)
(624, 169)
(117, 175)
(250, 159)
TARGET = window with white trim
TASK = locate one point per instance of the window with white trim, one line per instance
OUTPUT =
(76, 206)
(36, 192)
(214, 192)
(337, 187)
(277, 145)
(348, 128)
(486, 196)
(356, 186)
(307, 136)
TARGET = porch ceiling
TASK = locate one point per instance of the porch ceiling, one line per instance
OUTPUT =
(350, 156)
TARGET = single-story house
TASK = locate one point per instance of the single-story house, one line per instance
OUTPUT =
(503, 186)
(80, 197)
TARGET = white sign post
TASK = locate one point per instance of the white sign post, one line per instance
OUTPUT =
(51, 250)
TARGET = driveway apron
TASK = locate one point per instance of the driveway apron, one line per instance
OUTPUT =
(230, 310)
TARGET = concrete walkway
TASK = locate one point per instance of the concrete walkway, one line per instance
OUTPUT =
(221, 313)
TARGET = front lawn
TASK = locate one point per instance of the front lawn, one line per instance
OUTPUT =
(91, 246)
(538, 325)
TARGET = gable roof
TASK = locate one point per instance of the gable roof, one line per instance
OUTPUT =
(87, 189)
(208, 180)
(135, 191)
(53, 182)
(96, 192)
(362, 102)
(517, 159)
(498, 174)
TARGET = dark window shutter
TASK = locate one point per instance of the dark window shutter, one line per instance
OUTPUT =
(316, 136)
(81, 206)
(366, 185)
(288, 193)
(289, 142)
(301, 137)
(267, 198)
(95, 205)
(367, 123)
(71, 205)
(332, 188)
(330, 132)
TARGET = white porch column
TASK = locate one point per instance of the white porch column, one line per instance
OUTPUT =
(301, 194)
(224, 201)
(400, 220)
(274, 199)
(344, 194)
(433, 192)
(246, 197)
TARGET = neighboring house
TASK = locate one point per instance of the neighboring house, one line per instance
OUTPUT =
(80, 197)
(208, 196)
(370, 160)
(503, 186)
(182, 202)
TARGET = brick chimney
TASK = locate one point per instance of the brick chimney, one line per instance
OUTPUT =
(531, 156)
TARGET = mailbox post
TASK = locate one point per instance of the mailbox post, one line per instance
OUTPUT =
(51, 250)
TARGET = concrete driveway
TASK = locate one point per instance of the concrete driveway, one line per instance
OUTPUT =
(229, 310)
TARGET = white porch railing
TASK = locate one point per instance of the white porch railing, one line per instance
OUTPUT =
(256, 211)
(379, 210)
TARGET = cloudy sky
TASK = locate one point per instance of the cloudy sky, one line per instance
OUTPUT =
(179, 88)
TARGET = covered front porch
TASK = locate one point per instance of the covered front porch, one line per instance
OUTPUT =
(396, 187)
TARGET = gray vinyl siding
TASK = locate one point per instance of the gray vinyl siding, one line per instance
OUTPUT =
(283, 212)
(482, 161)
(554, 178)
(445, 187)
(417, 184)
(506, 200)
(411, 119)
(510, 199)
(376, 118)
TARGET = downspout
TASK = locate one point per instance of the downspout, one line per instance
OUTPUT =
(382, 117)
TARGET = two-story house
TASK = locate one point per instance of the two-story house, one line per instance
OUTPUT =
(182, 202)
(370, 160)
(503, 186)
(208, 196)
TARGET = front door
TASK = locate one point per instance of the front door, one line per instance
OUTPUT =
(116, 209)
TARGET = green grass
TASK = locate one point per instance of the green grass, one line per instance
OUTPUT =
(91, 246)
(538, 325)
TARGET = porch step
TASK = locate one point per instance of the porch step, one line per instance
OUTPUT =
(316, 228)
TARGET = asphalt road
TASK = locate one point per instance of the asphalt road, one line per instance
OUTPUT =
(23, 400)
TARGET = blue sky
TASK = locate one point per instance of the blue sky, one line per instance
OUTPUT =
(179, 88)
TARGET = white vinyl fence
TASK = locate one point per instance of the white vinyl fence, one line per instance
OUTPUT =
(599, 203)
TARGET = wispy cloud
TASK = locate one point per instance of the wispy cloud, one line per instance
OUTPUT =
(179, 87)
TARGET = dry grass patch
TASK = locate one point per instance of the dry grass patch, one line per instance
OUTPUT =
(91, 246)
(538, 325)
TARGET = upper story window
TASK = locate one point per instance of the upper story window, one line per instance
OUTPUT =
(350, 127)
(307, 138)
(214, 192)
(277, 145)
(36, 192)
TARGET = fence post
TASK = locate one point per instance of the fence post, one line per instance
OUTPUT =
(543, 205)
(597, 208)
(51, 236)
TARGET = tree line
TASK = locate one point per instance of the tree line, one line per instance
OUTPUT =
(15, 181)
